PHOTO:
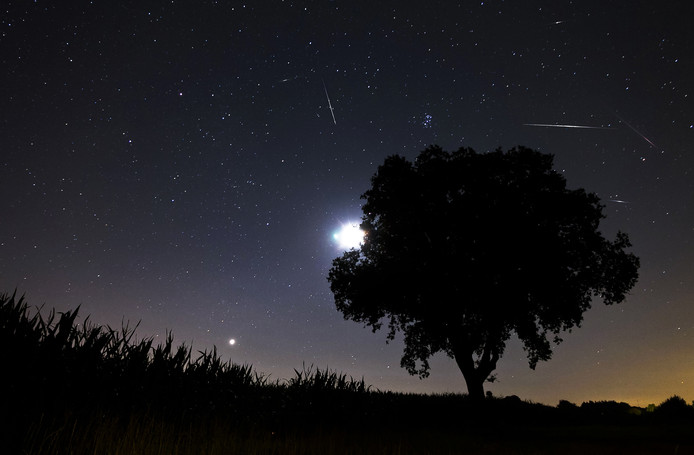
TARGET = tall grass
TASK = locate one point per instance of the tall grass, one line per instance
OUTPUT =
(316, 380)
(91, 364)
(75, 388)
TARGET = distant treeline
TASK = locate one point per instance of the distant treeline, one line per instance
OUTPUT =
(70, 383)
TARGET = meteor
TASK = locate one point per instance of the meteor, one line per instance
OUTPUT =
(554, 125)
(329, 105)
(636, 131)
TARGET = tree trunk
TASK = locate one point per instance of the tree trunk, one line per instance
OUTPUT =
(474, 375)
(475, 384)
(475, 387)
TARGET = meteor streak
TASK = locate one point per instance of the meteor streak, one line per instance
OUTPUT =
(329, 105)
(553, 125)
(635, 130)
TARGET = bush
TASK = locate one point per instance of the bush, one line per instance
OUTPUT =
(674, 409)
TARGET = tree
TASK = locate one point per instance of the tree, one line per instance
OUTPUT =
(464, 249)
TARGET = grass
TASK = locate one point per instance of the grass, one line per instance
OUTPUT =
(78, 388)
(145, 434)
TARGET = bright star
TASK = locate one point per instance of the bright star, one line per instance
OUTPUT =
(349, 236)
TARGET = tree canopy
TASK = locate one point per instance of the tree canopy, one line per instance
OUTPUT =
(464, 249)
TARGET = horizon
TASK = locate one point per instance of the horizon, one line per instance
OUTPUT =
(138, 337)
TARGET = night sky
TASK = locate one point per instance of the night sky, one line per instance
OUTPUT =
(178, 163)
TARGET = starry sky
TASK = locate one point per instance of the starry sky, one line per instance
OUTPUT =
(178, 163)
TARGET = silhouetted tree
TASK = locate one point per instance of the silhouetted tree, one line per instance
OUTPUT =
(463, 249)
(675, 409)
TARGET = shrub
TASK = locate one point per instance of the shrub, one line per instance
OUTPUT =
(674, 408)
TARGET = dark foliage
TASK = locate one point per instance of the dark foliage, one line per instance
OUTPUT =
(54, 365)
(674, 409)
(607, 411)
(72, 383)
(464, 249)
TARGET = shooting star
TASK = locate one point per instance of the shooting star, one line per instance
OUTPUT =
(332, 111)
(636, 131)
(289, 79)
(618, 201)
(553, 125)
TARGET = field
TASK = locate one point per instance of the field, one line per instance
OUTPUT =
(77, 389)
